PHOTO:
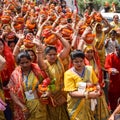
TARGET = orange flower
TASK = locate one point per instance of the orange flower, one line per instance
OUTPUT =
(41, 88)
(53, 18)
(68, 15)
(46, 33)
(66, 32)
(20, 20)
(89, 38)
(51, 40)
(30, 25)
(18, 26)
(5, 19)
(48, 27)
(91, 88)
(28, 43)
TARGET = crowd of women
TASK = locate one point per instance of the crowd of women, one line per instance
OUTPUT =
(53, 62)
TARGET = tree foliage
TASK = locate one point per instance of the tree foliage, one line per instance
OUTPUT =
(98, 4)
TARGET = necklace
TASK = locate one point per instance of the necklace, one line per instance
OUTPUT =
(28, 82)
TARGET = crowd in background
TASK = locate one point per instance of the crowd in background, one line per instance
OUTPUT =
(54, 63)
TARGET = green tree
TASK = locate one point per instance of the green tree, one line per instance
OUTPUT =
(97, 4)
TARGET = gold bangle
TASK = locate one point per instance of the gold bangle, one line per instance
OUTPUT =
(25, 109)
(86, 94)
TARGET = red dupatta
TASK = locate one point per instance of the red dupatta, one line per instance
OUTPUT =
(10, 65)
(15, 86)
(16, 80)
(38, 72)
(97, 61)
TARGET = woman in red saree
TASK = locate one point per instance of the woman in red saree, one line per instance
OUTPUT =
(92, 59)
(23, 89)
(5, 51)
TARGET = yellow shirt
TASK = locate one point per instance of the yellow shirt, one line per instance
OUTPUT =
(71, 78)
(80, 106)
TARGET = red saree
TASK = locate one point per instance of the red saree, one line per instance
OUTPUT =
(16, 87)
(6, 72)
(97, 62)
